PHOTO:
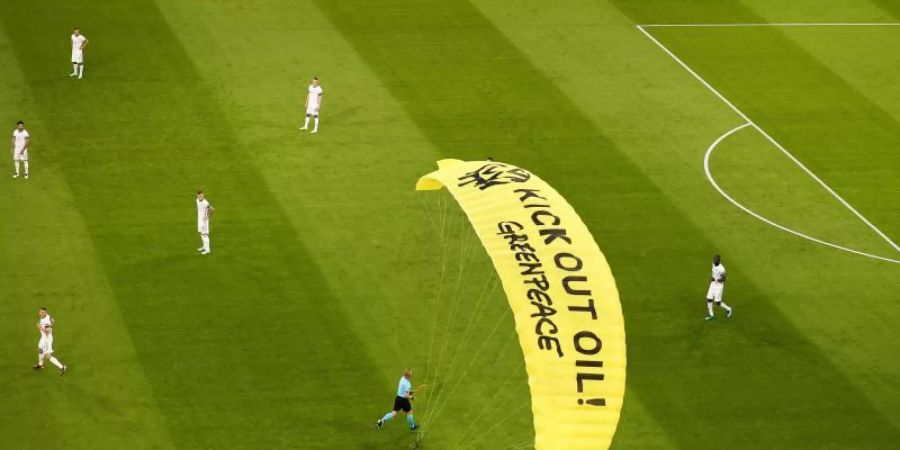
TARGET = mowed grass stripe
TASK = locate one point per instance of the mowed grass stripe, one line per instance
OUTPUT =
(243, 348)
(359, 172)
(472, 93)
(891, 8)
(49, 260)
(858, 55)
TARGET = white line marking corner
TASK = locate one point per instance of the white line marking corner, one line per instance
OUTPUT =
(750, 122)
(721, 191)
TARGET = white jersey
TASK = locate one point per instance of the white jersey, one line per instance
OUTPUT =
(717, 285)
(77, 53)
(77, 42)
(718, 273)
(314, 96)
(21, 137)
(46, 324)
(45, 345)
(202, 212)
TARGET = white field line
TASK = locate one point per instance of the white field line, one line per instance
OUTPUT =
(712, 181)
(770, 139)
(774, 24)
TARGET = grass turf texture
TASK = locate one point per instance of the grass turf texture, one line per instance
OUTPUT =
(326, 278)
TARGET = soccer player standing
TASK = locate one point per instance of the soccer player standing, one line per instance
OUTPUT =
(402, 402)
(79, 42)
(45, 345)
(716, 286)
(20, 142)
(313, 105)
(204, 211)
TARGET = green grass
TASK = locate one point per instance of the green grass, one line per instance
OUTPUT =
(330, 275)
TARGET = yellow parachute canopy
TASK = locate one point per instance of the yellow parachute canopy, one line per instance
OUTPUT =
(562, 295)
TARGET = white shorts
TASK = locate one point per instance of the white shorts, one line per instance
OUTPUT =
(77, 56)
(312, 110)
(715, 291)
(20, 154)
(46, 344)
(203, 227)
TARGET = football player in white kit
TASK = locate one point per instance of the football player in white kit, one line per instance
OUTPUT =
(313, 105)
(79, 42)
(20, 142)
(204, 211)
(45, 345)
(716, 286)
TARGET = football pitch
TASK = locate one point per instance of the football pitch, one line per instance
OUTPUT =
(764, 131)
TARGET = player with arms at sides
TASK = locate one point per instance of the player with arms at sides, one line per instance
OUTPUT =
(20, 142)
(313, 105)
(402, 402)
(204, 212)
(79, 42)
(716, 286)
(45, 345)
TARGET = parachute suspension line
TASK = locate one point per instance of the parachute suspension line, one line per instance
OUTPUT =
(440, 405)
(507, 205)
(503, 415)
(493, 400)
(484, 342)
(428, 212)
(466, 245)
(463, 261)
(495, 425)
(484, 293)
(435, 404)
(522, 445)
(434, 324)
(447, 220)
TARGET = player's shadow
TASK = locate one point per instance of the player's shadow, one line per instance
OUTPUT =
(700, 328)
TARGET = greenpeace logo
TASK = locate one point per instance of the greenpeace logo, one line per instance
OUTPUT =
(494, 174)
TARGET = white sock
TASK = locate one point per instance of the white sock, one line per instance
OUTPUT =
(205, 239)
(26, 167)
(56, 362)
(40, 359)
(727, 308)
(80, 70)
(316, 124)
(74, 69)
(17, 167)
(709, 306)
(306, 122)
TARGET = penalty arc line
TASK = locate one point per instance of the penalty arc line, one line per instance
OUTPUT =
(721, 191)
(769, 138)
